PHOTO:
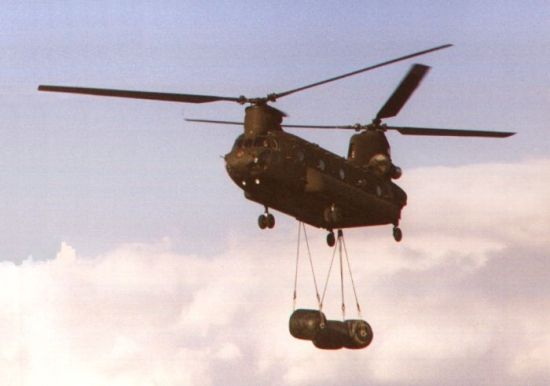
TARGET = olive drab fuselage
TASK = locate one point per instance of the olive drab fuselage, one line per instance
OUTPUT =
(285, 172)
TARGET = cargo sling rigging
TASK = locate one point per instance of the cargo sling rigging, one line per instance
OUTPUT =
(312, 324)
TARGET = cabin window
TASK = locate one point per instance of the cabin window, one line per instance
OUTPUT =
(351, 151)
(342, 174)
(321, 165)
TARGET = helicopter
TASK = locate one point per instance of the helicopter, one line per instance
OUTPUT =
(287, 173)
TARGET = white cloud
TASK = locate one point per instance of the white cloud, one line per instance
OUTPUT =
(463, 299)
(504, 201)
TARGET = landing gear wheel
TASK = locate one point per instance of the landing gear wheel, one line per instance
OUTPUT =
(262, 221)
(331, 240)
(266, 220)
(270, 219)
(397, 234)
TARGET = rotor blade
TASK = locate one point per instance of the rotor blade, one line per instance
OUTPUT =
(284, 125)
(403, 92)
(214, 121)
(450, 132)
(285, 93)
(319, 127)
(170, 97)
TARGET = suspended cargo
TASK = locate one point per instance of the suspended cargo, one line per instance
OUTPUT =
(312, 325)
(333, 337)
(359, 334)
(305, 324)
(329, 334)
(351, 334)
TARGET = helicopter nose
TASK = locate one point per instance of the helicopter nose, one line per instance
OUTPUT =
(238, 163)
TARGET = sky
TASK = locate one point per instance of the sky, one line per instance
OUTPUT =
(129, 257)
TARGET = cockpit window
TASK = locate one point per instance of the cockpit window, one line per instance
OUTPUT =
(259, 141)
(244, 143)
(238, 143)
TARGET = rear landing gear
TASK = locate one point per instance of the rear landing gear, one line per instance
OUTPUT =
(331, 240)
(397, 233)
(266, 220)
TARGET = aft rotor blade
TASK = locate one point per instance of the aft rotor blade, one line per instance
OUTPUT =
(403, 92)
(450, 132)
(283, 125)
(282, 94)
(170, 97)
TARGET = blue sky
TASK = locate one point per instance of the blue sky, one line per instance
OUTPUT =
(100, 173)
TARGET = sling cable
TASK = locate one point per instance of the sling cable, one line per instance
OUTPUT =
(311, 324)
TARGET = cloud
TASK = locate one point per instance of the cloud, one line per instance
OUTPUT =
(504, 201)
(463, 299)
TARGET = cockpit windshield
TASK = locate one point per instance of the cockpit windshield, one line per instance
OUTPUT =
(261, 141)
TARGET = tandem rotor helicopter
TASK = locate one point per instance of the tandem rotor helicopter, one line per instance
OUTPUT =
(287, 173)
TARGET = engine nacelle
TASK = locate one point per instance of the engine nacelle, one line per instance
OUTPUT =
(380, 165)
(396, 172)
(366, 145)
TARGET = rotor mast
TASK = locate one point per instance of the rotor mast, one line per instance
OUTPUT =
(260, 119)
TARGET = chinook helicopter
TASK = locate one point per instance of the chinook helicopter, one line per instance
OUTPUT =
(287, 173)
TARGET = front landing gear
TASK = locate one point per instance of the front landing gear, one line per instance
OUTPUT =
(397, 233)
(266, 220)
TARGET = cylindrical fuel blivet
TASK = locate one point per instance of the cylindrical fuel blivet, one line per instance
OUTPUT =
(359, 334)
(333, 336)
(305, 324)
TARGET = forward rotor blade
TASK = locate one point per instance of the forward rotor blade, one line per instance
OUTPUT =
(285, 93)
(450, 132)
(214, 121)
(403, 92)
(170, 97)
(319, 127)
